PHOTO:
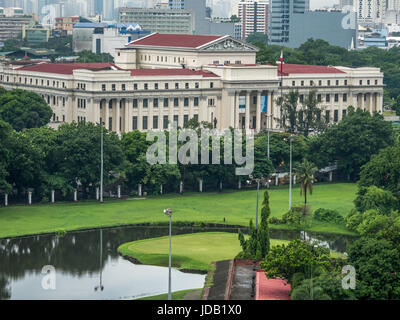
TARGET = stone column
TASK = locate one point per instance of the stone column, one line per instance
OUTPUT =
(29, 197)
(371, 106)
(258, 115)
(126, 115)
(117, 115)
(140, 190)
(119, 192)
(107, 115)
(201, 185)
(140, 115)
(237, 114)
(247, 110)
(52, 196)
(6, 200)
(75, 195)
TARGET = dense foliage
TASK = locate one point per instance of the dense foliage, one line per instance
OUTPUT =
(258, 244)
(24, 109)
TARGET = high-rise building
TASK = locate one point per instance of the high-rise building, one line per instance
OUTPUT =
(371, 10)
(280, 14)
(254, 16)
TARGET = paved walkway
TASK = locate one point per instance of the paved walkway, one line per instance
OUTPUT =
(221, 276)
(193, 295)
(242, 286)
(271, 289)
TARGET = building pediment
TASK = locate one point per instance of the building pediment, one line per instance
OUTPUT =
(228, 44)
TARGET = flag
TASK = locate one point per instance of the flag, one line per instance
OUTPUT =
(281, 61)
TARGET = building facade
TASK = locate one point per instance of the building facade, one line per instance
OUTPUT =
(239, 94)
(254, 16)
(175, 21)
(11, 27)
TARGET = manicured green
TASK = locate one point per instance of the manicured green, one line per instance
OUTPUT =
(190, 251)
(179, 295)
(236, 208)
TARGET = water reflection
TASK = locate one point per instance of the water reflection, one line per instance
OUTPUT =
(88, 266)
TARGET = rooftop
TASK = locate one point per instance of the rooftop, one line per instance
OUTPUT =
(174, 40)
(67, 68)
(305, 69)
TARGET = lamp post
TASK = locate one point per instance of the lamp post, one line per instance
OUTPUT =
(168, 212)
(290, 186)
(258, 197)
(101, 162)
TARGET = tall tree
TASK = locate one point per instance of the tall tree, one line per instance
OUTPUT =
(289, 111)
(309, 117)
(351, 142)
(24, 109)
(305, 175)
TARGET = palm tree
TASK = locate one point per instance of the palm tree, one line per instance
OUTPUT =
(305, 175)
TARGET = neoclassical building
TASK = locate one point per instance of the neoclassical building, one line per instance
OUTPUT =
(164, 78)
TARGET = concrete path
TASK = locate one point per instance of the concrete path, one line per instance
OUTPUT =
(193, 295)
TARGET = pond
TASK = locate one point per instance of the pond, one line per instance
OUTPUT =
(87, 265)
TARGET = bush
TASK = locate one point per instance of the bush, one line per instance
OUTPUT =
(275, 220)
(296, 216)
(328, 215)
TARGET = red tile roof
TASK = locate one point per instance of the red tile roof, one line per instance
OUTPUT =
(66, 68)
(171, 72)
(174, 40)
(305, 69)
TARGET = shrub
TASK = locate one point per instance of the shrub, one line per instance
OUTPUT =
(296, 216)
(328, 215)
(275, 220)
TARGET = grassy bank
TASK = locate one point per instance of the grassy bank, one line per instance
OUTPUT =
(189, 251)
(223, 208)
(179, 295)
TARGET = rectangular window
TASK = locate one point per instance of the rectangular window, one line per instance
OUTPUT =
(110, 123)
(302, 83)
(185, 119)
(345, 82)
(368, 82)
(319, 97)
(176, 85)
(166, 86)
(329, 82)
(103, 87)
(186, 102)
(186, 85)
(211, 85)
(144, 123)
(327, 116)
(135, 87)
(176, 119)
(196, 85)
(376, 82)
(320, 82)
(176, 102)
(344, 97)
(155, 103)
(166, 102)
(146, 86)
(344, 112)
(155, 122)
(113, 87)
(196, 101)
(328, 98)
(156, 86)
(123, 87)
(360, 82)
(145, 103)
(196, 117)
(165, 122)
(336, 97)
(336, 115)
(135, 103)
(337, 82)
(134, 123)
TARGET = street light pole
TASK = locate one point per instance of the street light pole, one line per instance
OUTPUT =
(101, 163)
(268, 120)
(168, 212)
(258, 191)
(290, 186)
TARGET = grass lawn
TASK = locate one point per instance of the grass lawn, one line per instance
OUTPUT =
(189, 251)
(179, 295)
(235, 208)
